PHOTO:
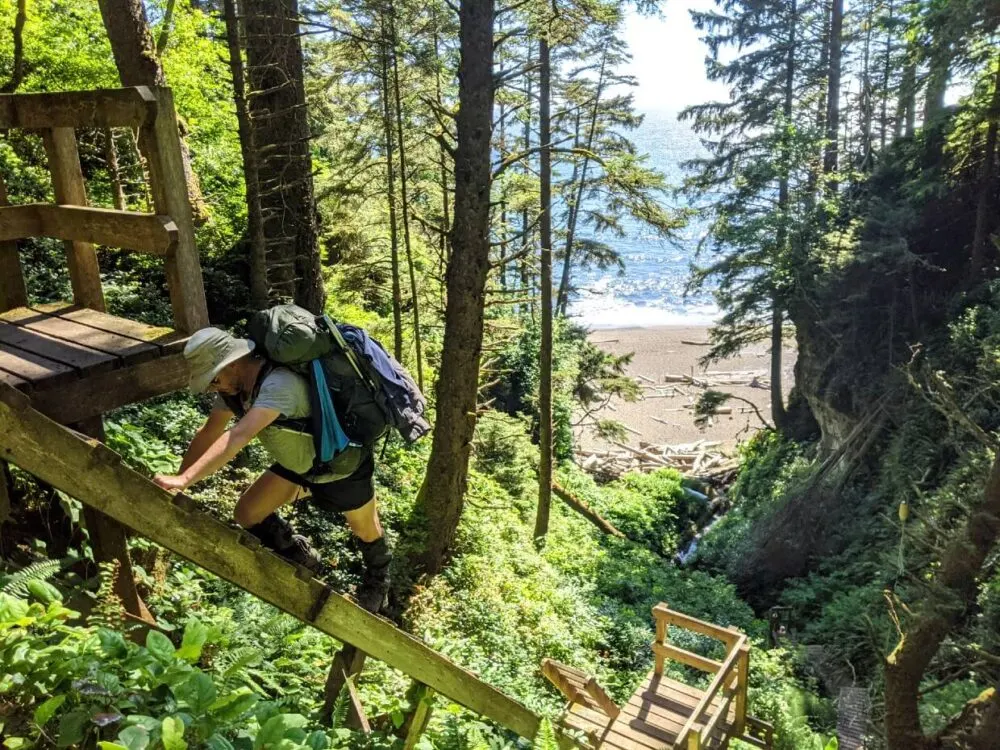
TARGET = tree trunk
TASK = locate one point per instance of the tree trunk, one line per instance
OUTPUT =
(402, 186)
(949, 595)
(255, 223)
(17, 69)
(562, 299)
(138, 65)
(441, 497)
(866, 99)
(545, 281)
(390, 176)
(444, 246)
(527, 280)
(114, 173)
(168, 17)
(941, 54)
(906, 115)
(987, 184)
(281, 136)
(886, 69)
(831, 154)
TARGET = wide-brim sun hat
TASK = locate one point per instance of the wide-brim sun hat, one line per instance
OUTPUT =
(208, 352)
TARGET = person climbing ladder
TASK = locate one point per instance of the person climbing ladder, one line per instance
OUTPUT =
(275, 403)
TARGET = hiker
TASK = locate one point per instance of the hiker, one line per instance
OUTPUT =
(272, 403)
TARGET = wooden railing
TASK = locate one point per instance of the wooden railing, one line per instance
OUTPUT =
(728, 689)
(169, 232)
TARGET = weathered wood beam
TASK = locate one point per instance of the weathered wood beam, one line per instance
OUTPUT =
(417, 721)
(100, 108)
(96, 475)
(683, 656)
(130, 230)
(69, 188)
(681, 620)
(13, 292)
(96, 394)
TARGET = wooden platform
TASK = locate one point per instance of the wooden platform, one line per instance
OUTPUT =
(76, 363)
(663, 713)
(651, 720)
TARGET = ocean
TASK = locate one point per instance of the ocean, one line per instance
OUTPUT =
(650, 292)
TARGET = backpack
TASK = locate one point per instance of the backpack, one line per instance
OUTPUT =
(357, 389)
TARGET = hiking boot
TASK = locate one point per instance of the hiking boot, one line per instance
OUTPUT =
(278, 535)
(301, 553)
(373, 593)
(374, 588)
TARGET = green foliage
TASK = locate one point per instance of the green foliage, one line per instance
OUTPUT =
(95, 687)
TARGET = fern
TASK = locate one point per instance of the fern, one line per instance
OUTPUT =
(546, 737)
(15, 585)
(109, 611)
(235, 662)
(339, 714)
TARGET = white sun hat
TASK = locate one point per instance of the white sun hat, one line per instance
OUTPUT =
(208, 352)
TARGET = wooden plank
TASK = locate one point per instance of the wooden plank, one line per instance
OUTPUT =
(743, 675)
(19, 222)
(672, 617)
(5, 505)
(127, 349)
(167, 339)
(99, 478)
(661, 638)
(160, 142)
(13, 292)
(99, 393)
(130, 230)
(347, 664)
(356, 717)
(722, 678)
(684, 656)
(99, 108)
(69, 189)
(418, 721)
(595, 691)
(34, 369)
(81, 358)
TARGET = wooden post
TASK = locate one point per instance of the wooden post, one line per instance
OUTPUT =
(160, 142)
(69, 189)
(424, 703)
(742, 677)
(13, 292)
(661, 638)
(694, 739)
(109, 540)
(347, 664)
(4, 493)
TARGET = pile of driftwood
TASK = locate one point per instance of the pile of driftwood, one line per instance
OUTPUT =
(698, 458)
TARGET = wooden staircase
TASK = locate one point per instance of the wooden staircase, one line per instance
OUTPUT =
(663, 713)
(95, 475)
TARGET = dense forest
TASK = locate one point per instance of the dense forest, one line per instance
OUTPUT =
(441, 174)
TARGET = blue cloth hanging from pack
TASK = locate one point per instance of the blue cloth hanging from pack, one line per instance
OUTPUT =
(332, 438)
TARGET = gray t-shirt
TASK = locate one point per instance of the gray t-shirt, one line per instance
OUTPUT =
(288, 393)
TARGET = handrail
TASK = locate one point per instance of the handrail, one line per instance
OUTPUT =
(722, 710)
(728, 636)
(129, 230)
(683, 656)
(722, 677)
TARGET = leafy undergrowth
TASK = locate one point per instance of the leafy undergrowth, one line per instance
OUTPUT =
(232, 671)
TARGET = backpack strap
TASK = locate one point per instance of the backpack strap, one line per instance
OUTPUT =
(348, 351)
(235, 403)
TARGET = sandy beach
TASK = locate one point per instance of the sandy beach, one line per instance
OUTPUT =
(662, 355)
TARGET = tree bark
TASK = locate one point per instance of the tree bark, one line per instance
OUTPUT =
(168, 17)
(255, 223)
(441, 497)
(280, 127)
(415, 301)
(562, 299)
(951, 592)
(831, 154)
(527, 281)
(390, 176)
(114, 173)
(138, 65)
(545, 281)
(987, 183)
(17, 70)
(444, 246)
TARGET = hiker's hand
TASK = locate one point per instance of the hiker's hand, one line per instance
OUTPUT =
(170, 482)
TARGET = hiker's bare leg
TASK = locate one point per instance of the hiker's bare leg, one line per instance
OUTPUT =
(262, 498)
(364, 521)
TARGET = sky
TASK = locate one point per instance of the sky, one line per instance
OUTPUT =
(668, 58)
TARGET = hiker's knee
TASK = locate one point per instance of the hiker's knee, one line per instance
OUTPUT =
(364, 521)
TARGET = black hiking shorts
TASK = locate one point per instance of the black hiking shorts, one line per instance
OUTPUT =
(349, 493)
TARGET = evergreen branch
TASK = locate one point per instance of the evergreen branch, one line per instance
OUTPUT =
(521, 155)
